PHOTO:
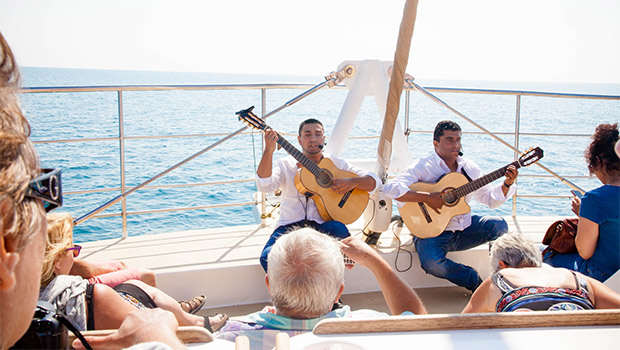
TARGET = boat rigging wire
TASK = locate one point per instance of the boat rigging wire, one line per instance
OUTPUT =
(331, 80)
(412, 84)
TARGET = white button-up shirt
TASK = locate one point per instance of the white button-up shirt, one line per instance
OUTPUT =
(294, 206)
(430, 169)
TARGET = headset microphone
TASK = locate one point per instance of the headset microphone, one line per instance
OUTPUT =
(461, 153)
(320, 146)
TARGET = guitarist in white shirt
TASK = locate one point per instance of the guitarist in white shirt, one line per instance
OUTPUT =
(463, 231)
(296, 209)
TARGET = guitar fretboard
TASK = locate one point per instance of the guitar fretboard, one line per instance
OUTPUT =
(300, 157)
(482, 181)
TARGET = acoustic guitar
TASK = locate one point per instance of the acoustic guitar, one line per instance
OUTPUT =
(423, 222)
(315, 180)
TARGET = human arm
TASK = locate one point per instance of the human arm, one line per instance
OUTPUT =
(266, 162)
(398, 187)
(490, 195)
(434, 200)
(398, 295)
(590, 209)
(602, 296)
(575, 205)
(365, 180)
(511, 176)
(139, 327)
(587, 237)
(483, 299)
(365, 183)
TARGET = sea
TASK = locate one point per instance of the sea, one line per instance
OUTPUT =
(561, 127)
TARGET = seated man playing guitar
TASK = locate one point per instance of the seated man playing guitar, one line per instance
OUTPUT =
(296, 208)
(461, 232)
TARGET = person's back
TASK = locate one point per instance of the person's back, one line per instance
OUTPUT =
(539, 276)
(540, 289)
(521, 283)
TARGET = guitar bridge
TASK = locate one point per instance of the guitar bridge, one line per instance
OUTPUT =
(427, 216)
(344, 199)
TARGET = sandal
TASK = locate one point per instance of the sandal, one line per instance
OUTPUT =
(194, 305)
(214, 327)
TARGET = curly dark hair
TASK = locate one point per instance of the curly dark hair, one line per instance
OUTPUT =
(600, 155)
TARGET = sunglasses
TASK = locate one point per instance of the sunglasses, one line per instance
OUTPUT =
(48, 188)
(76, 250)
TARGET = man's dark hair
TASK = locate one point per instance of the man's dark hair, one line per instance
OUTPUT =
(444, 125)
(309, 121)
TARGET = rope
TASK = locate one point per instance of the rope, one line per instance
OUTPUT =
(401, 57)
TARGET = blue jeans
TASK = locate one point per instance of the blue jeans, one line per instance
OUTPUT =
(432, 251)
(335, 229)
(575, 262)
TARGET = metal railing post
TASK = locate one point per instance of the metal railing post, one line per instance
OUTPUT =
(121, 143)
(124, 194)
(517, 132)
(263, 207)
(265, 87)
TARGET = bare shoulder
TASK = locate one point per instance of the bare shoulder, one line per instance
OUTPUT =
(539, 277)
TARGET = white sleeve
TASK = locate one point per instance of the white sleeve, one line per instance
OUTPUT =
(399, 185)
(275, 181)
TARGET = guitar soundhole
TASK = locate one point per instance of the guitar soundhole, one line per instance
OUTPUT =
(450, 198)
(324, 179)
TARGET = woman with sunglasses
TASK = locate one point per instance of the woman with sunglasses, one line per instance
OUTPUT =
(23, 204)
(22, 217)
(97, 306)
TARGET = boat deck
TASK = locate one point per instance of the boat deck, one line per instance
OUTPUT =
(222, 263)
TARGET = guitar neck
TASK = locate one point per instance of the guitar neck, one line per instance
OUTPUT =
(300, 157)
(483, 181)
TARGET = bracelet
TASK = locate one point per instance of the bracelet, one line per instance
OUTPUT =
(507, 186)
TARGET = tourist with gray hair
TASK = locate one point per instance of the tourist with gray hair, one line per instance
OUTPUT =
(305, 277)
(520, 282)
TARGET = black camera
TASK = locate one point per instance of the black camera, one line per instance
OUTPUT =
(46, 330)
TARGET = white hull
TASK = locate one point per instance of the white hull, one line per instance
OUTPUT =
(223, 263)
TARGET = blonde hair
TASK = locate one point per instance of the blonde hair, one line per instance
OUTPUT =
(20, 217)
(59, 238)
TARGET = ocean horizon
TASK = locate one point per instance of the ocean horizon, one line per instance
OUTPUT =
(157, 114)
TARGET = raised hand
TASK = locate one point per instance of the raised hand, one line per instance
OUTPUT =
(511, 175)
(270, 140)
(576, 204)
(358, 251)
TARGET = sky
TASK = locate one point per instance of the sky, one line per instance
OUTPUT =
(492, 40)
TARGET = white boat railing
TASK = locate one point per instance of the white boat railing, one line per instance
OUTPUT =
(264, 88)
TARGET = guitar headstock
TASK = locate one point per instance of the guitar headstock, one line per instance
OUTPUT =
(531, 156)
(252, 119)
